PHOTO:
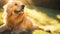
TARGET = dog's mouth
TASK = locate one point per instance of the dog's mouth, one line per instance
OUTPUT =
(19, 9)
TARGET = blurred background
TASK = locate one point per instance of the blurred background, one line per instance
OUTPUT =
(54, 4)
(44, 12)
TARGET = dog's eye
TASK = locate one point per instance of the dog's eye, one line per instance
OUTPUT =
(15, 4)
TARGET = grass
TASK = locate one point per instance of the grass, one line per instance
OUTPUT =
(1, 21)
(42, 16)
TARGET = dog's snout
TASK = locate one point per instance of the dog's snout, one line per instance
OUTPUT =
(22, 6)
(20, 9)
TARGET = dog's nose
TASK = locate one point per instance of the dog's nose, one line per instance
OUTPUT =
(22, 6)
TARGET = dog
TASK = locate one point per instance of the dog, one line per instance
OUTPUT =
(15, 19)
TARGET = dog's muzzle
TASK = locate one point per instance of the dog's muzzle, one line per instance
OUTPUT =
(19, 9)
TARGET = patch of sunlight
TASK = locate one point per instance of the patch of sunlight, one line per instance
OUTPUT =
(58, 16)
(53, 27)
(40, 17)
(39, 32)
(1, 20)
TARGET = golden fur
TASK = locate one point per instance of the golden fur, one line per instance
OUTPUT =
(17, 22)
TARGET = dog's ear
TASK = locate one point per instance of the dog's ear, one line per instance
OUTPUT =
(6, 12)
(5, 8)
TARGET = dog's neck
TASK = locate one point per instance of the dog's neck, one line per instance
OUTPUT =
(15, 17)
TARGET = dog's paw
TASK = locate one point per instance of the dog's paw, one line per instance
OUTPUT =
(49, 31)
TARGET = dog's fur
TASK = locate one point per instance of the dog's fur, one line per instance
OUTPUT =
(17, 21)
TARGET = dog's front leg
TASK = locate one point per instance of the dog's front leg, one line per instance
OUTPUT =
(37, 27)
(3, 28)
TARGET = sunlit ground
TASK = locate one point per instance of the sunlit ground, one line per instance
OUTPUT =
(45, 17)
(1, 21)
(42, 16)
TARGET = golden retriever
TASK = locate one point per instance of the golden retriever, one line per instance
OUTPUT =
(15, 19)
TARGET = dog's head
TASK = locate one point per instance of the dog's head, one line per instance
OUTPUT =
(14, 8)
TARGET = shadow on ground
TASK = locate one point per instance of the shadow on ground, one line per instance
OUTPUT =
(9, 32)
(50, 12)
